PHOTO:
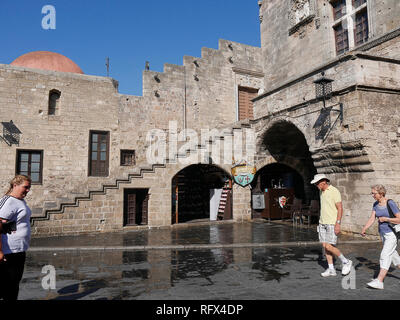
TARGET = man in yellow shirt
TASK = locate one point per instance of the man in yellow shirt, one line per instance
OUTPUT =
(329, 224)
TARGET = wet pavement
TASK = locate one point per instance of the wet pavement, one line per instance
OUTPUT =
(213, 261)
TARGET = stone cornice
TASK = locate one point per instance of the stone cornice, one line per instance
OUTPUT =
(349, 56)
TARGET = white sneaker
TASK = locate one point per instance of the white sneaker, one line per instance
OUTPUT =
(346, 268)
(376, 284)
(328, 273)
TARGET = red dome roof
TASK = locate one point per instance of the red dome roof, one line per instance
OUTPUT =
(47, 60)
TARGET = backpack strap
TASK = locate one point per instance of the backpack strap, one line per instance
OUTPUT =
(390, 209)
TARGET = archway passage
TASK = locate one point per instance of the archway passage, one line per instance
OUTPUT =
(288, 146)
(201, 192)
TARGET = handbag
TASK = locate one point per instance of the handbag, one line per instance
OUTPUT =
(394, 227)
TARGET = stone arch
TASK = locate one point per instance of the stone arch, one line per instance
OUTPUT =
(192, 198)
(284, 142)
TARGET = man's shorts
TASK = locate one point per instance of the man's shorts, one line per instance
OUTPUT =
(327, 234)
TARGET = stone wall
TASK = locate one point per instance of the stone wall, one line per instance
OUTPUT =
(205, 86)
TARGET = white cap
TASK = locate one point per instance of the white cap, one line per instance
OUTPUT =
(319, 177)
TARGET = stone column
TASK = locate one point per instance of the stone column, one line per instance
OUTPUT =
(241, 203)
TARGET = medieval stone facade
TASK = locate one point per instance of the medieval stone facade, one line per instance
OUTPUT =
(352, 134)
(359, 146)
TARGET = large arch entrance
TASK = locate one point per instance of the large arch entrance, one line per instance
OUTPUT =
(201, 192)
(294, 167)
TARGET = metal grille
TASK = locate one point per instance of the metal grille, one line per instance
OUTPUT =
(323, 88)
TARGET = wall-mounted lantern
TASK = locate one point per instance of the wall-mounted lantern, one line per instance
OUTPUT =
(323, 88)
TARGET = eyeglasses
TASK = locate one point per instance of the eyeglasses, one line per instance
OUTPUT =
(374, 193)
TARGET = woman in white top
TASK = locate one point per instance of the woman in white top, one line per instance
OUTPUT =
(13, 246)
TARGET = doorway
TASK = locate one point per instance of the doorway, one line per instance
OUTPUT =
(201, 192)
(136, 206)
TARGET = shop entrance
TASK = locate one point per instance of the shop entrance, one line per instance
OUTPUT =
(201, 192)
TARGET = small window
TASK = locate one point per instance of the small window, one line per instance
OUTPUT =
(128, 158)
(30, 163)
(54, 97)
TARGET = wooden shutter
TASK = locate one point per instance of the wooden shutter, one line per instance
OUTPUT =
(245, 102)
(145, 206)
(131, 209)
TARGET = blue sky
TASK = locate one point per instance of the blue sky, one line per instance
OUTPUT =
(130, 32)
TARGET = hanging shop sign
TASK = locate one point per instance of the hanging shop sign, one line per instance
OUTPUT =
(243, 173)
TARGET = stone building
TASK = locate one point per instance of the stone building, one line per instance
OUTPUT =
(87, 146)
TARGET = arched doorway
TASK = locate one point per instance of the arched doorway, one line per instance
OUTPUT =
(201, 192)
(294, 164)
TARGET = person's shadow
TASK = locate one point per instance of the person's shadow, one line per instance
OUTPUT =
(79, 290)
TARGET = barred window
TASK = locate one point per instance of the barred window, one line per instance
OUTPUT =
(128, 158)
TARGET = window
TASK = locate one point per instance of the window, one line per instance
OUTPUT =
(342, 40)
(99, 153)
(361, 29)
(30, 163)
(339, 9)
(349, 15)
(128, 158)
(54, 97)
(136, 203)
(357, 3)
